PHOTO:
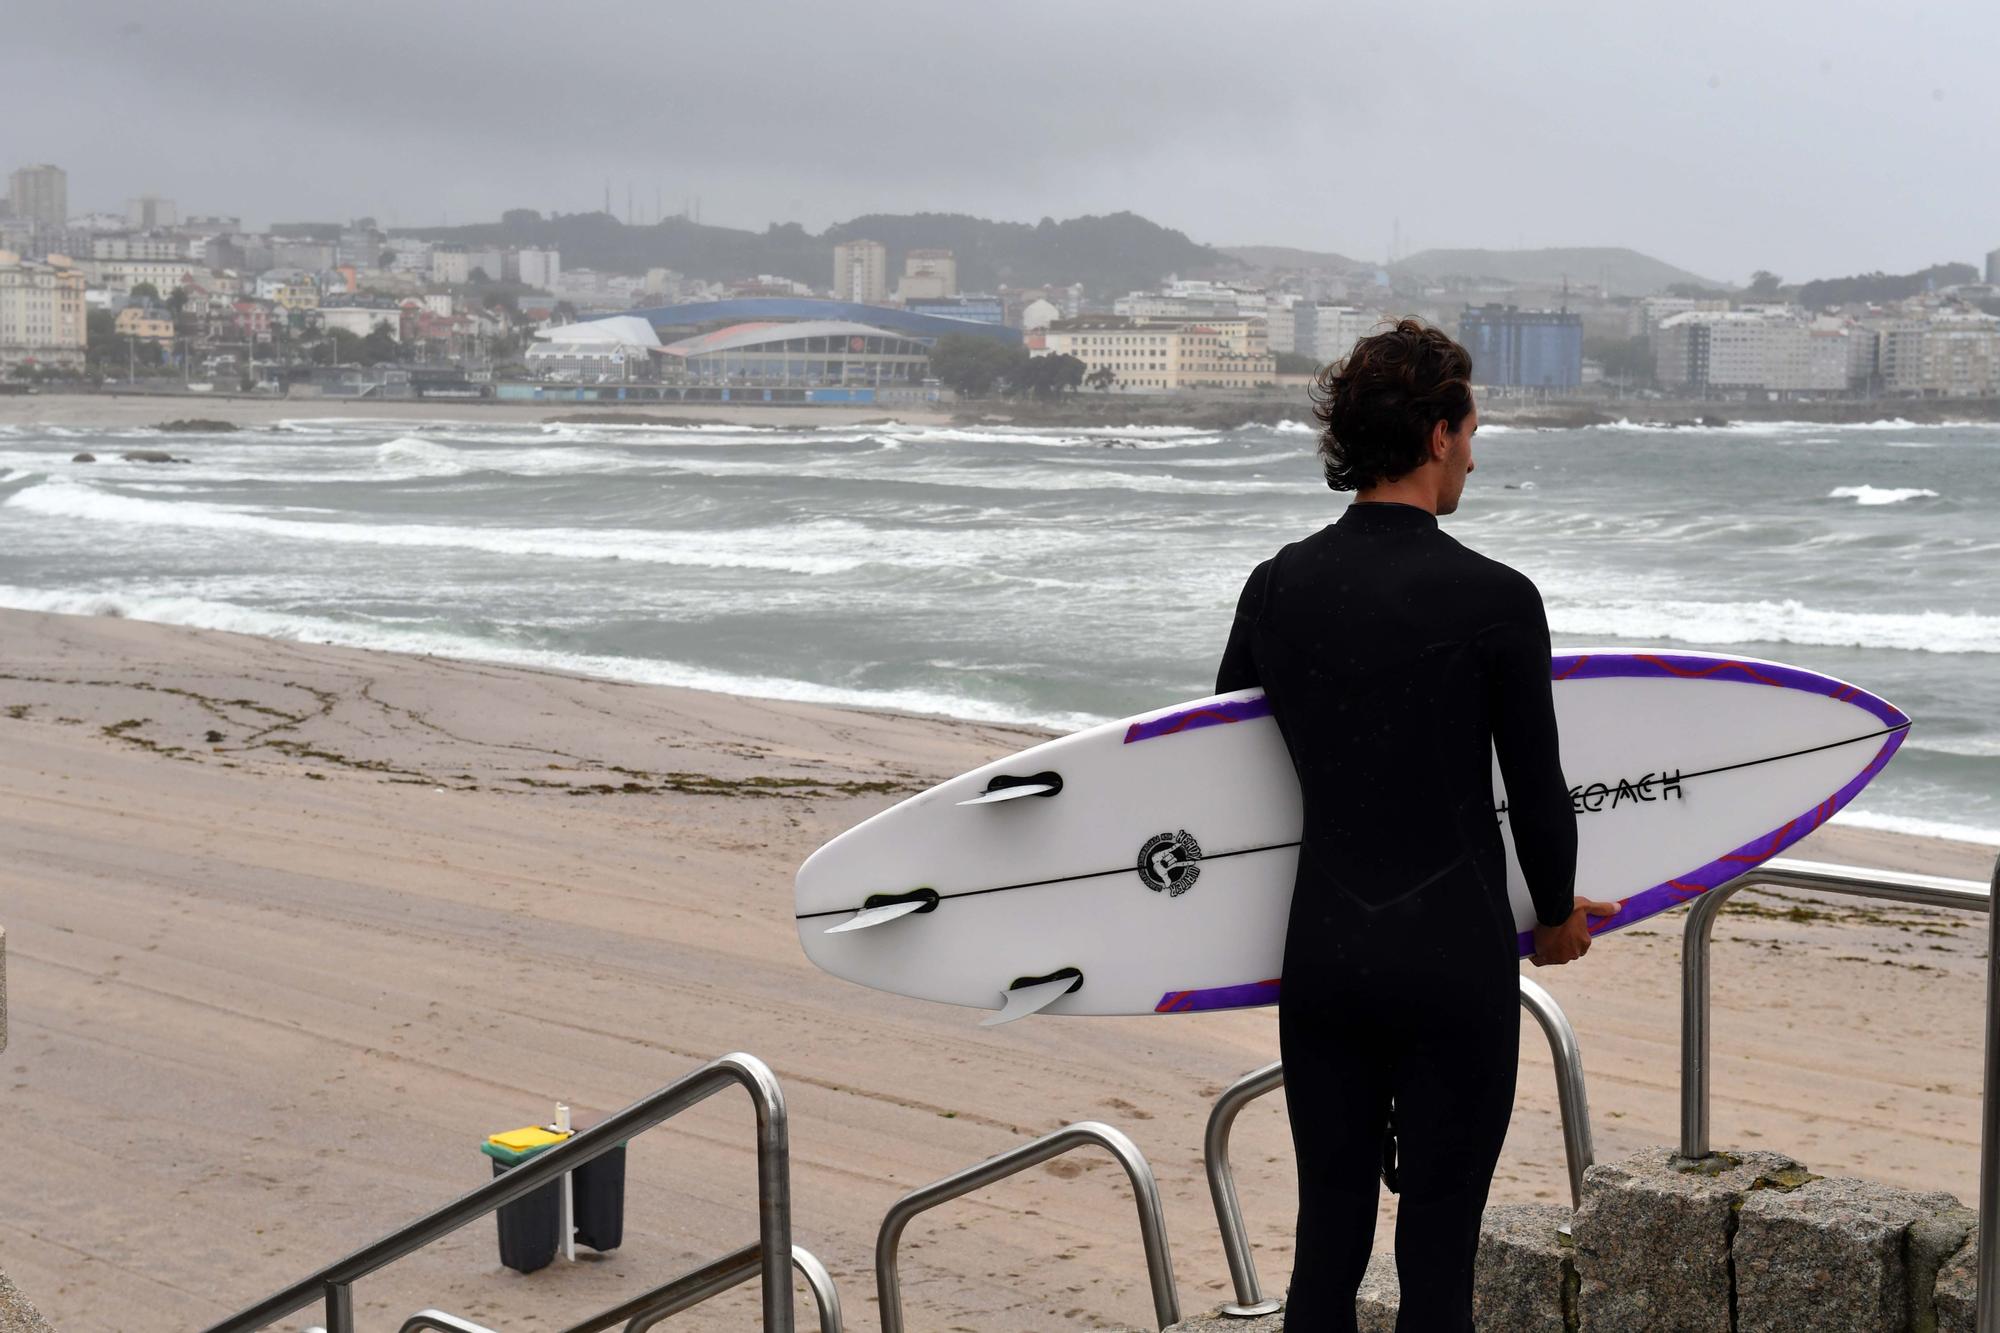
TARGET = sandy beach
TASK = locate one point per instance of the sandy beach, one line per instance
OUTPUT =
(293, 927)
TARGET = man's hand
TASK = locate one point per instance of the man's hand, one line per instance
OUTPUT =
(1555, 945)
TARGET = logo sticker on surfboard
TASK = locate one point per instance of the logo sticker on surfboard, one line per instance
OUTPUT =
(1170, 863)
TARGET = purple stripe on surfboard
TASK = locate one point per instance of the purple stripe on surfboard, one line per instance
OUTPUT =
(1682, 888)
(1690, 666)
(1208, 715)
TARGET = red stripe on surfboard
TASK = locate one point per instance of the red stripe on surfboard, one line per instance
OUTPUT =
(1672, 670)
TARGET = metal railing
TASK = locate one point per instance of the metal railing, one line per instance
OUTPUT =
(1570, 1098)
(334, 1283)
(1145, 1194)
(1893, 886)
(691, 1289)
(437, 1321)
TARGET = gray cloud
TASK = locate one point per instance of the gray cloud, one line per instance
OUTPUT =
(1791, 134)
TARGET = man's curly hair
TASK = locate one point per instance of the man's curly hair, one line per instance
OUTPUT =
(1378, 406)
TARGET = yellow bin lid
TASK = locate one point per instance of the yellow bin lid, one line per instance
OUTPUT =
(525, 1139)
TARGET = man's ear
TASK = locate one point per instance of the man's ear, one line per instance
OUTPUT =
(1440, 440)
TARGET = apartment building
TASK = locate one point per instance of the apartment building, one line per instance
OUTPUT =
(39, 195)
(928, 275)
(1727, 350)
(41, 312)
(861, 272)
(1327, 332)
(1148, 357)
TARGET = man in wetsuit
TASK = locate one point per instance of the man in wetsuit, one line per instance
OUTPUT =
(1397, 662)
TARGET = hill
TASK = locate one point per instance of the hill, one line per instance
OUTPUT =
(1272, 258)
(1623, 272)
(1111, 254)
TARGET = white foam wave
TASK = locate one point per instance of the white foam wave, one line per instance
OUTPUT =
(417, 456)
(1919, 828)
(1965, 747)
(1880, 495)
(1777, 622)
(780, 550)
(1776, 428)
(815, 546)
(387, 637)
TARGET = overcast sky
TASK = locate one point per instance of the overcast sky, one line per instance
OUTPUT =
(1811, 137)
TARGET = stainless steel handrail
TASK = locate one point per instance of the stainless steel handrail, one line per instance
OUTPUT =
(1571, 1099)
(643, 1312)
(334, 1283)
(1145, 1194)
(440, 1322)
(1893, 886)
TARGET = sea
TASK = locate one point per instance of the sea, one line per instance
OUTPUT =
(1058, 577)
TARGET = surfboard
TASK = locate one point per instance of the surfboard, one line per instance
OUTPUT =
(1146, 865)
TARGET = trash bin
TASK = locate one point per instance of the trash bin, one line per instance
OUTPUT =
(597, 1198)
(529, 1225)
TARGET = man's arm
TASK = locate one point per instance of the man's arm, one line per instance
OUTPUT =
(1522, 707)
(1239, 664)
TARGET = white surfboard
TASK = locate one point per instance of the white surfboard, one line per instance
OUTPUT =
(1146, 866)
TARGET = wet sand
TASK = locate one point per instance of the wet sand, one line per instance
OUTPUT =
(292, 927)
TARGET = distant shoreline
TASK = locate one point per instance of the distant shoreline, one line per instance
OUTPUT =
(127, 411)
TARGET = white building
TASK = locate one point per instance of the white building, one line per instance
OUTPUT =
(595, 351)
(540, 269)
(1961, 355)
(1831, 355)
(861, 272)
(121, 275)
(1039, 314)
(410, 255)
(487, 259)
(149, 211)
(1767, 349)
(361, 320)
(451, 265)
(137, 245)
(1327, 333)
(1652, 311)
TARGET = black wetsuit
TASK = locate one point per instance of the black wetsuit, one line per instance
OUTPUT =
(1397, 662)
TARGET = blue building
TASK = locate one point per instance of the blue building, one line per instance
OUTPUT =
(1523, 349)
(673, 321)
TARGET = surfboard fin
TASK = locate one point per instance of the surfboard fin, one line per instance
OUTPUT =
(875, 916)
(1010, 788)
(879, 909)
(1031, 995)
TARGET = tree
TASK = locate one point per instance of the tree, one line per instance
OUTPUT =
(1764, 284)
(1047, 378)
(478, 275)
(101, 343)
(1625, 360)
(387, 259)
(1101, 378)
(145, 291)
(380, 345)
(1292, 363)
(972, 366)
(338, 348)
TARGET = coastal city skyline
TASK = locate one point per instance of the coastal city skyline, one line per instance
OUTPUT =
(1722, 140)
(911, 308)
